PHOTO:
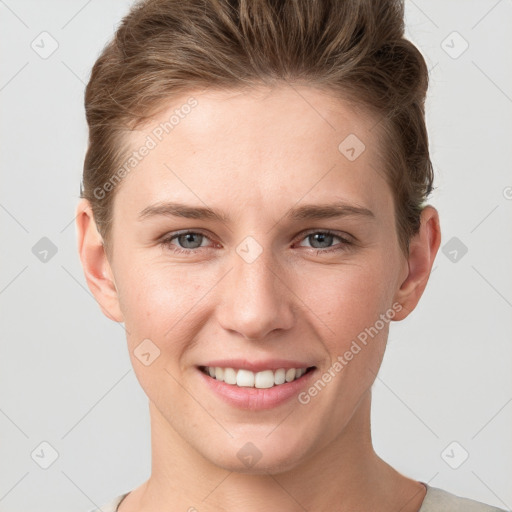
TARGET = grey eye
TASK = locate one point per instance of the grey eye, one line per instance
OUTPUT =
(186, 241)
(321, 238)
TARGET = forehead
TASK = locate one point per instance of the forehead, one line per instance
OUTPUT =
(248, 147)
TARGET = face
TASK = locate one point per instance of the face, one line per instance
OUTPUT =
(298, 265)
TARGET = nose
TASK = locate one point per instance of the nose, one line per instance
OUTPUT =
(256, 298)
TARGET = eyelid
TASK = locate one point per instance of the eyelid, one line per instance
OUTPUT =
(300, 236)
(169, 237)
(346, 237)
(347, 241)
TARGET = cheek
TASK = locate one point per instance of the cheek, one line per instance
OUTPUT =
(160, 300)
(168, 304)
(159, 305)
(349, 298)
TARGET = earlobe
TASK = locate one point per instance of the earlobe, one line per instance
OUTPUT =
(423, 248)
(95, 264)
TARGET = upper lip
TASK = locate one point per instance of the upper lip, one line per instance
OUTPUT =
(257, 366)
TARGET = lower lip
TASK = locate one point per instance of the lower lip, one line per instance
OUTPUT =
(254, 398)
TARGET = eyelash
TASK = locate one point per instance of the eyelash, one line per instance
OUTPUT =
(167, 242)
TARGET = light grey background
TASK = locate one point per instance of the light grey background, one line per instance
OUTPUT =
(65, 375)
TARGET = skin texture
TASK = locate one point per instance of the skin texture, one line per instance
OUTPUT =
(255, 155)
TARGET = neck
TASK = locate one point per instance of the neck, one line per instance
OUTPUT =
(343, 475)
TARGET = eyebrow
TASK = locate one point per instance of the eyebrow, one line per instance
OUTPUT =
(308, 211)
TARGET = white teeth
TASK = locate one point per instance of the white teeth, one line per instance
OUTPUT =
(290, 374)
(245, 378)
(279, 376)
(264, 379)
(229, 376)
(260, 380)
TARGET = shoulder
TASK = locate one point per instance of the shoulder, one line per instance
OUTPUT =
(439, 500)
(112, 505)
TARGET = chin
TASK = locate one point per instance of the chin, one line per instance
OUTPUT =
(259, 456)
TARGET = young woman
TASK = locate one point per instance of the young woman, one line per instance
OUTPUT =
(253, 209)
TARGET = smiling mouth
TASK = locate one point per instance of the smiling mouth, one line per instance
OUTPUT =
(261, 380)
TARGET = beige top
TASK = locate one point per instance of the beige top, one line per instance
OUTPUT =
(436, 500)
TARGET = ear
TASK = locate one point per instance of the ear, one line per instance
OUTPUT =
(423, 248)
(97, 270)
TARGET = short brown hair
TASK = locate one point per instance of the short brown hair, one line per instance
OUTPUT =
(354, 48)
